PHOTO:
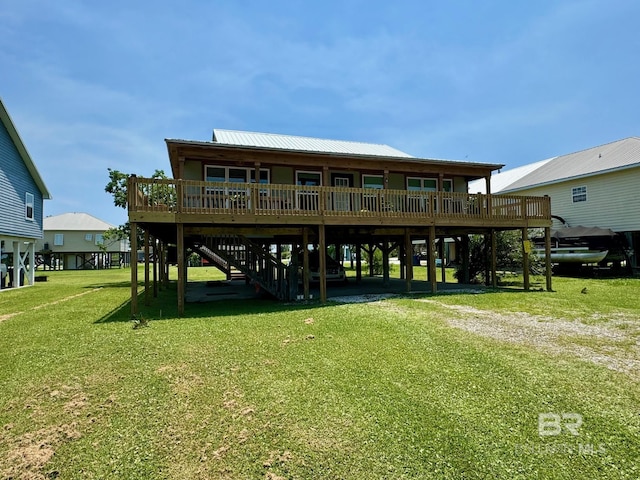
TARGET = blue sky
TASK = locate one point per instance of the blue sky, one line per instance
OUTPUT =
(96, 85)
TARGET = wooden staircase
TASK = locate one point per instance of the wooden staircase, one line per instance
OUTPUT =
(237, 253)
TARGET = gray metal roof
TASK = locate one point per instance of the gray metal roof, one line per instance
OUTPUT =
(75, 221)
(593, 161)
(304, 144)
(500, 181)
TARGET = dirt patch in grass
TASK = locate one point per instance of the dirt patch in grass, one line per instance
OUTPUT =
(28, 453)
(614, 343)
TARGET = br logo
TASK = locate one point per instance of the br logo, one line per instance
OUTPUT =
(555, 424)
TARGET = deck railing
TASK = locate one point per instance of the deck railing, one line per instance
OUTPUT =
(197, 197)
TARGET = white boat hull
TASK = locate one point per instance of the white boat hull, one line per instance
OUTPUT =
(575, 255)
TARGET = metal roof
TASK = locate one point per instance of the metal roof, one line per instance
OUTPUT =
(76, 222)
(612, 156)
(500, 181)
(304, 144)
(5, 118)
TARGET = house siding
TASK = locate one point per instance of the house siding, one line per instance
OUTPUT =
(75, 242)
(15, 182)
(612, 200)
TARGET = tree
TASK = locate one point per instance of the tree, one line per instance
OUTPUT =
(117, 186)
(508, 255)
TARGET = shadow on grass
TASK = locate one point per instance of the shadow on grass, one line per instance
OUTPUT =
(164, 307)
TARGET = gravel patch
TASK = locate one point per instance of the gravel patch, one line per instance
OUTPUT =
(615, 344)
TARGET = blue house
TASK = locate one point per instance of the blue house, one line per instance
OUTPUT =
(22, 192)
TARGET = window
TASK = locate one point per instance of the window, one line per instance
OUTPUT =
(373, 181)
(308, 200)
(236, 197)
(28, 204)
(88, 237)
(422, 184)
(214, 173)
(99, 239)
(579, 194)
(58, 239)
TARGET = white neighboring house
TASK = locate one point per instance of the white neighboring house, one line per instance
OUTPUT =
(75, 241)
(596, 187)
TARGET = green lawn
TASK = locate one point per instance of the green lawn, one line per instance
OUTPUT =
(411, 387)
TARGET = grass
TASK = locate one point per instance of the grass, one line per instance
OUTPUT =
(265, 390)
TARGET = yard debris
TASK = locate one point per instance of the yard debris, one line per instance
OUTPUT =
(309, 321)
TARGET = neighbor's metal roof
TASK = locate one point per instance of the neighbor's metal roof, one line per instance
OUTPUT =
(304, 144)
(604, 158)
(500, 181)
(75, 221)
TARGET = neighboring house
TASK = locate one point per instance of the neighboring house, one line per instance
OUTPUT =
(596, 187)
(75, 241)
(236, 199)
(22, 192)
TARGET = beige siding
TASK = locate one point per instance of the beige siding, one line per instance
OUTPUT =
(612, 202)
(193, 170)
(75, 242)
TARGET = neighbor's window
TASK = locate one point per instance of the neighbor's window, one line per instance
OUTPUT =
(58, 239)
(88, 237)
(579, 194)
(99, 239)
(28, 203)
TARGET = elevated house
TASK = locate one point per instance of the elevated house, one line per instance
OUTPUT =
(594, 198)
(22, 192)
(75, 241)
(237, 198)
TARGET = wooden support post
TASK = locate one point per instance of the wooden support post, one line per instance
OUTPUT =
(432, 259)
(403, 262)
(155, 267)
(181, 268)
(408, 248)
(133, 240)
(547, 257)
(494, 259)
(322, 246)
(385, 262)
(443, 270)
(147, 286)
(358, 262)
(464, 247)
(305, 262)
(525, 258)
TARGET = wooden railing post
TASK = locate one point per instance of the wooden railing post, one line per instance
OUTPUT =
(179, 196)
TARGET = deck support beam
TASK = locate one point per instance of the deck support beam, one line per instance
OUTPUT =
(525, 258)
(147, 286)
(408, 259)
(494, 259)
(443, 269)
(181, 267)
(547, 257)
(305, 262)
(431, 244)
(133, 240)
(358, 262)
(323, 263)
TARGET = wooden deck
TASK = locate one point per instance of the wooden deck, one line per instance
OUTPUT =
(193, 202)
